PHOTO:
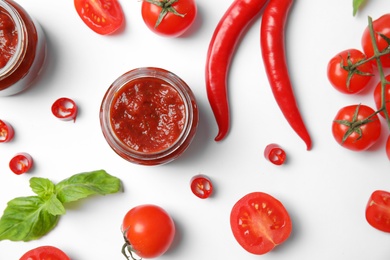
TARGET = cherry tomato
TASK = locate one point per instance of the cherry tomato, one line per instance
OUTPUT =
(260, 222)
(148, 231)
(6, 132)
(388, 147)
(381, 27)
(345, 76)
(102, 16)
(64, 109)
(201, 186)
(275, 154)
(169, 18)
(378, 96)
(45, 253)
(21, 163)
(356, 127)
(378, 210)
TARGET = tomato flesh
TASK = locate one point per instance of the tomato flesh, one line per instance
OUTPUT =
(102, 16)
(45, 253)
(275, 154)
(260, 222)
(6, 132)
(378, 210)
(201, 186)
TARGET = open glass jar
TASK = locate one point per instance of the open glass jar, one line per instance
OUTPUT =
(23, 50)
(149, 116)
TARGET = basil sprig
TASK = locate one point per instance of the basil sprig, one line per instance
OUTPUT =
(30, 218)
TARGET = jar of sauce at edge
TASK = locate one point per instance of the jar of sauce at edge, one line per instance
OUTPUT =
(149, 116)
(24, 52)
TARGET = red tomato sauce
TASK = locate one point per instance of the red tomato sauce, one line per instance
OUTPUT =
(148, 115)
(8, 37)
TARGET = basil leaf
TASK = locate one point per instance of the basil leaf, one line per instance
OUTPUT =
(356, 5)
(44, 188)
(26, 218)
(54, 206)
(85, 184)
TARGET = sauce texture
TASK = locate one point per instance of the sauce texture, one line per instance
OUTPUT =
(8, 37)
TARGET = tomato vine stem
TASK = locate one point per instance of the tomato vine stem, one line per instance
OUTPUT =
(166, 7)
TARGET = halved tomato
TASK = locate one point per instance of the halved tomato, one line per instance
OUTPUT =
(260, 222)
(102, 16)
(378, 210)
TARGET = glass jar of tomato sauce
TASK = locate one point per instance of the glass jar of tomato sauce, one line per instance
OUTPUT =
(23, 48)
(149, 116)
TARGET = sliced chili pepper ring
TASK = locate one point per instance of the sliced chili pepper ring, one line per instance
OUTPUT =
(6, 132)
(64, 109)
(275, 154)
(201, 186)
(21, 163)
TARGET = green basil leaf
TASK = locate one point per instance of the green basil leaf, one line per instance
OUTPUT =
(54, 206)
(85, 184)
(356, 5)
(44, 188)
(26, 218)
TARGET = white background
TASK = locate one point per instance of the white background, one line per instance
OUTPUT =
(325, 190)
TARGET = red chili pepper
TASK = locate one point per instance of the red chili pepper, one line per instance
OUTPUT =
(21, 163)
(274, 58)
(64, 109)
(275, 154)
(6, 132)
(201, 186)
(222, 46)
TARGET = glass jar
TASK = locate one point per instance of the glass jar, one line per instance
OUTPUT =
(149, 116)
(23, 55)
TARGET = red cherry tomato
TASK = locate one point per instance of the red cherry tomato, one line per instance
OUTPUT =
(102, 16)
(148, 231)
(201, 186)
(6, 132)
(64, 109)
(45, 253)
(388, 147)
(378, 210)
(353, 130)
(172, 20)
(260, 222)
(378, 96)
(275, 154)
(381, 27)
(345, 76)
(21, 163)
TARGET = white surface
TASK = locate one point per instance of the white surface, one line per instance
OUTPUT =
(325, 189)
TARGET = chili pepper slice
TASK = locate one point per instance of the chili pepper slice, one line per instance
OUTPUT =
(64, 109)
(223, 43)
(21, 163)
(201, 186)
(6, 132)
(275, 154)
(272, 35)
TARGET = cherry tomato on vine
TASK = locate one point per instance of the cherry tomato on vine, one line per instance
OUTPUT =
(102, 16)
(356, 127)
(345, 76)
(148, 231)
(378, 210)
(275, 154)
(388, 147)
(378, 96)
(45, 253)
(170, 18)
(381, 28)
(260, 222)
(21, 163)
(6, 132)
(201, 186)
(64, 109)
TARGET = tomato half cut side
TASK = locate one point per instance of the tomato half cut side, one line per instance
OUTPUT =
(64, 109)
(102, 16)
(378, 210)
(21, 163)
(260, 222)
(275, 154)
(201, 186)
(6, 132)
(45, 253)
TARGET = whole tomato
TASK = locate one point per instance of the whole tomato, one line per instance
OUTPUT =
(388, 147)
(170, 18)
(378, 96)
(381, 28)
(356, 127)
(148, 231)
(345, 76)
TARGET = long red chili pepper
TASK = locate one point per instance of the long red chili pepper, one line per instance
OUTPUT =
(273, 52)
(222, 46)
